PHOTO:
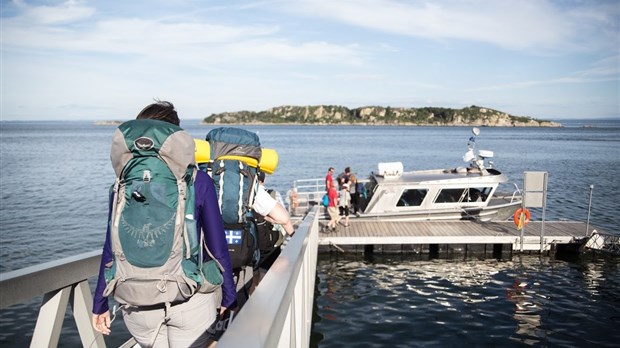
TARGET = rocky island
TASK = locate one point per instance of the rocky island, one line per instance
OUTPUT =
(378, 115)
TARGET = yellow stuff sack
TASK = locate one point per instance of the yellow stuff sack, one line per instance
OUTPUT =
(267, 164)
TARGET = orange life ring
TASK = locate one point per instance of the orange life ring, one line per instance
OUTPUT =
(517, 217)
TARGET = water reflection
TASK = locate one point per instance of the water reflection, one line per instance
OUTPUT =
(527, 310)
(408, 301)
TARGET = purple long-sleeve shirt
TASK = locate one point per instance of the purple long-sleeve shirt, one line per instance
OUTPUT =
(209, 220)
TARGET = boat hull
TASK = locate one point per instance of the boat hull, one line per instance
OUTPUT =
(500, 212)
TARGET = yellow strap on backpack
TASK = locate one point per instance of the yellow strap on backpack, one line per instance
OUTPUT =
(268, 160)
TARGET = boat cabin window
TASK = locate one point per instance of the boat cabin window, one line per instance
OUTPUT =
(369, 186)
(478, 194)
(466, 195)
(449, 195)
(412, 198)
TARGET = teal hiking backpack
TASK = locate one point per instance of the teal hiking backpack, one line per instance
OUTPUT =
(325, 200)
(157, 253)
(235, 185)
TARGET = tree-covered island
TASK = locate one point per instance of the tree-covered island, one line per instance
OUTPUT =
(378, 115)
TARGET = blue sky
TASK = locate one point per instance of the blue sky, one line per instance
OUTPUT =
(549, 59)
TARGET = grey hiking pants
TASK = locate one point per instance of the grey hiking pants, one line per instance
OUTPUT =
(187, 325)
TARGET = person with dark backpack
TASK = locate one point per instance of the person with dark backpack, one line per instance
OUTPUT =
(269, 238)
(165, 255)
(234, 159)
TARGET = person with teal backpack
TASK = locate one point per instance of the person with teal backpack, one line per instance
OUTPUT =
(165, 258)
(234, 166)
(235, 186)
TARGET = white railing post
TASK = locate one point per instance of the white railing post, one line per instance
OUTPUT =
(51, 316)
(60, 282)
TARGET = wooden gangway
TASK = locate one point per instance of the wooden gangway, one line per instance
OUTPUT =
(537, 235)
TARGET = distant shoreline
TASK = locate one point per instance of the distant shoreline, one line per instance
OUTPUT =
(476, 116)
(585, 123)
(408, 124)
(108, 123)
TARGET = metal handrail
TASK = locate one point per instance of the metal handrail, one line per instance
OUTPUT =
(288, 288)
(314, 185)
(279, 312)
(24, 284)
(515, 192)
(62, 282)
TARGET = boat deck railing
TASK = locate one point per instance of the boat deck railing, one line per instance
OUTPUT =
(278, 314)
(604, 242)
(309, 193)
(517, 193)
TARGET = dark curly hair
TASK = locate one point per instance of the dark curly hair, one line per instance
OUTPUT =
(160, 110)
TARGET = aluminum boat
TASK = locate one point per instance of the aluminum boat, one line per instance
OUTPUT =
(477, 191)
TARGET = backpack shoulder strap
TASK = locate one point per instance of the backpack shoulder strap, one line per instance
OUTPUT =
(205, 247)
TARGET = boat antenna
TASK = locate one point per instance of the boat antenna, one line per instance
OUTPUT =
(470, 156)
(471, 144)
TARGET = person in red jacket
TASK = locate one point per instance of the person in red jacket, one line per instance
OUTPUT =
(332, 206)
(329, 178)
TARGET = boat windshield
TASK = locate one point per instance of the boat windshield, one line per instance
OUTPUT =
(467, 195)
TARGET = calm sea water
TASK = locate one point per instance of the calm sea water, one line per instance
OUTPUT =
(55, 178)
(409, 301)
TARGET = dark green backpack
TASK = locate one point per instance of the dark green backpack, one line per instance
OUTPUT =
(157, 258)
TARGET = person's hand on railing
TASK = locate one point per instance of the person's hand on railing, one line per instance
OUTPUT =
(102, 322)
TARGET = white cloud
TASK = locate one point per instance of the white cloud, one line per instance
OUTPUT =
(66, 12)
(282, 50)
(608, 69)
(605, 70)
(518, 25)
(361, 77)
(186, 41)
(82, 57)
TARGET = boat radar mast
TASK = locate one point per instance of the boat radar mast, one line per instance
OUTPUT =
(477, 162)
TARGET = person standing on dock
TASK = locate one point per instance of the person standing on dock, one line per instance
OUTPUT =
(355, 194)
(329, 178)
(344, 202)
(332, 207)
(344, 177)
(182, 322)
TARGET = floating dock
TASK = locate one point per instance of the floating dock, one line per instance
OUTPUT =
(537, 236)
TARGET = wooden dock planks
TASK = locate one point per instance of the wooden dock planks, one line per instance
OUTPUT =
(453, 232)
